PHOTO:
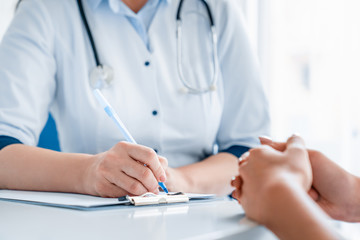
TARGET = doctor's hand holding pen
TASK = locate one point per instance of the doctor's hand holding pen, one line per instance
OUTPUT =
(130, 168)
(125, 169)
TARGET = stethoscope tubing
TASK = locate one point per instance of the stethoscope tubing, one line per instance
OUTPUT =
(91, 38)
(188, 87)
(211, 19)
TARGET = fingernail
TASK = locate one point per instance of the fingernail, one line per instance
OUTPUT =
(266, 137)
(295, 135)
(162, 178)
(244, 156)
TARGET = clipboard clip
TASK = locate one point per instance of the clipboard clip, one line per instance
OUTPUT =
(153, 199)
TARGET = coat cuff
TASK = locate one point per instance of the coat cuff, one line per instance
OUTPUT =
(6, 141)
(236, 150)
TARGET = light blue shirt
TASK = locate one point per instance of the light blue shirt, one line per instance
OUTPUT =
(141, 20)
(46, 58)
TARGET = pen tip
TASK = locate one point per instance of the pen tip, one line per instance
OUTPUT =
(163, 187)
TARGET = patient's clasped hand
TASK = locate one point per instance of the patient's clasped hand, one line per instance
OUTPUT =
(291, 190)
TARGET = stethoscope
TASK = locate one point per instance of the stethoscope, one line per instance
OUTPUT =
(102, 75)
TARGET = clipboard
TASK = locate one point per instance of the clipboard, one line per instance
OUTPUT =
(87, 202)
(153, 199)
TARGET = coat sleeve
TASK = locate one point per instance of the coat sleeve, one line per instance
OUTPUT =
(27, 73)
(245, 114)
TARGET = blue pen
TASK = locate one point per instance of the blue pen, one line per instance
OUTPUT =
(113, 115)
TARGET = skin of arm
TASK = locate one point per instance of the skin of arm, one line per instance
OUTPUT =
(195, 177)
(29, 168)
(272, 188)
(302, 218)
(334, 189)
(116, 172)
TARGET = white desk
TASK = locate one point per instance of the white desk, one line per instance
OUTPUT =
(207, 220)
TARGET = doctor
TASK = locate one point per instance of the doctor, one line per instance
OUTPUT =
(178, 97)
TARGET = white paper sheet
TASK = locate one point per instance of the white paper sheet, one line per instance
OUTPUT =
(73, 200)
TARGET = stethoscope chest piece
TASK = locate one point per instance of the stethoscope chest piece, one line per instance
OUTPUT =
(101, 76)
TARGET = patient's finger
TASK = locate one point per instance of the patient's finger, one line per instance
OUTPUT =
(279, 146)
(265, 140)
(237, 182)
(232, 181)
(236, 194)
(296, 145)
(314, 194)
(244, 156)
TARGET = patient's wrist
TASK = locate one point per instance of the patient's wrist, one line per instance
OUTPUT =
(274, 194)
(350, 208)
(292, 214)
(356, 202)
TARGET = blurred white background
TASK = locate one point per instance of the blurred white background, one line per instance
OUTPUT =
(310, 55)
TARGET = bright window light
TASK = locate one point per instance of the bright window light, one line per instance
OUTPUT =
(310, 54)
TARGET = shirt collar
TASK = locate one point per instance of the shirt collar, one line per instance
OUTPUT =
(114, 4)
(94, 3)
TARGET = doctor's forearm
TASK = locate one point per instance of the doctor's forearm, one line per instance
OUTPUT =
(29, 168)
(212, 175)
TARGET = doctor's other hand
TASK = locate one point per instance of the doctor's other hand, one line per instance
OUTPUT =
(264, 169)
(126, 168)
(334, 189)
